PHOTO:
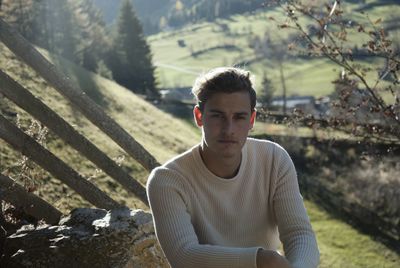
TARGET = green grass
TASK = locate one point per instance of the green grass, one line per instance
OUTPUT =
(342, 246)
(303, 77)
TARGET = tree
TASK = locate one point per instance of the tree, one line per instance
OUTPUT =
(276, 50)
(130, 57)
(73, 29)
(18, 13)
(55, 29)
(325, 35)
(94, 42)
(267, 91)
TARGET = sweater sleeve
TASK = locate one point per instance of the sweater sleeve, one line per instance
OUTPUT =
(296, 234)
(176, 233)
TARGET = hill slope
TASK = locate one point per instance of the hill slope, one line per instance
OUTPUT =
(159, 133)
(180, 55)
(164, 136)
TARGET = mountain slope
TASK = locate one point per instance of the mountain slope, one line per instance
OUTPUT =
(241, 40)
(160, 133)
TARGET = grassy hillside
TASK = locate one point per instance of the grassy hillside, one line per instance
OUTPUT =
(159, 133)
(226, 42)
(342, 246)
(164, 136)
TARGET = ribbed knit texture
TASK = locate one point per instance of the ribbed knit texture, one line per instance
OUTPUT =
(202, 220)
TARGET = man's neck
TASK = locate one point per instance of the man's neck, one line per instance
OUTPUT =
(224, 167)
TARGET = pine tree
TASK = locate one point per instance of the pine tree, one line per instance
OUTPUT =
(73, 29)
(55, 28)
(18, 13)
(93, 42)
(47, 23)
(130, 60)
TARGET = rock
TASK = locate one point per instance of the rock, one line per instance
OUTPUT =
(87, 238)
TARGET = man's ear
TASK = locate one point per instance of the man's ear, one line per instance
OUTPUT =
(197, 116)
(253, 119)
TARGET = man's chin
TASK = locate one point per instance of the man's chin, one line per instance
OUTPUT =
(228, 152)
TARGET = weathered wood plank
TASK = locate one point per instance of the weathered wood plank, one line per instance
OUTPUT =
(31, 204)
(63, 84)
(27, 101)
(29, 147)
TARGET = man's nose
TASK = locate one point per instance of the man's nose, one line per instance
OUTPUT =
(228, 125)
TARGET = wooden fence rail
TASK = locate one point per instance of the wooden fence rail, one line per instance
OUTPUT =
(20, 141)
(63, 84)
(12, 192)
(32, 149)
(27, 101)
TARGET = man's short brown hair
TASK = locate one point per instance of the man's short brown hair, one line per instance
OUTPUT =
(225, 80)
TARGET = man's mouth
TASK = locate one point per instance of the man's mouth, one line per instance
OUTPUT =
(227, 141)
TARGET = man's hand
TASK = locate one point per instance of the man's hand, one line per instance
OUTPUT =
(271, 259)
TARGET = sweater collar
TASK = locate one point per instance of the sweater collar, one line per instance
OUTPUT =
(201, 167)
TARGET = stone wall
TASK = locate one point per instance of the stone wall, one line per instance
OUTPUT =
(87, 238)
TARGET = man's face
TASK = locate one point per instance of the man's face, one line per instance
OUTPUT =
(225, 121)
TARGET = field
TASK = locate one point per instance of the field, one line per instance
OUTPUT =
(228, 41)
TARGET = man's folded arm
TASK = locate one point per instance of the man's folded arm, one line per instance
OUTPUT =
(294, 226)
(177, 236)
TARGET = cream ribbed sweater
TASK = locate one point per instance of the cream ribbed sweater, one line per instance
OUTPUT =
(202, 220)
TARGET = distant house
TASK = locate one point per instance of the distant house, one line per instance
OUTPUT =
(318, 107)
(180, 94)
(305, 103)
(322, 105)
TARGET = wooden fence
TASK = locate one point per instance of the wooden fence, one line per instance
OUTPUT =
(15, 194)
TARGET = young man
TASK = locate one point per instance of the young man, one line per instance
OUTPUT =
(222, 203)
